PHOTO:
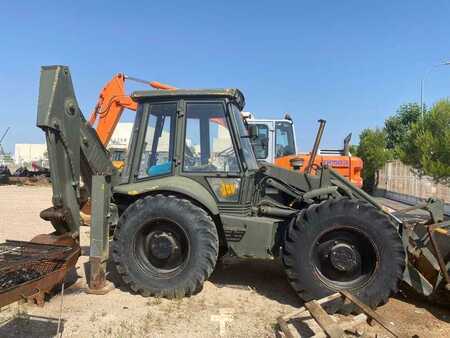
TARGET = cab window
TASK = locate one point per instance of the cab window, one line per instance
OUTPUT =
(284, 139)
(157, 155)
(208, 145)
(261, 142)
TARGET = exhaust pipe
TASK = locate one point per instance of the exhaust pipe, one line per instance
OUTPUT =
(316, 145)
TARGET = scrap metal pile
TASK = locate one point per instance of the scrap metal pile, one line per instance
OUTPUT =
(31, 270)
(5, 173)
(20, 276)
(24, 176)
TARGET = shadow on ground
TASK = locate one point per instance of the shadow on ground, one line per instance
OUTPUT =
(266, 277)
(28, 326)
(440, 310)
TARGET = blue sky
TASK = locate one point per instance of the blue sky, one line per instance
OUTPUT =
(349, 62)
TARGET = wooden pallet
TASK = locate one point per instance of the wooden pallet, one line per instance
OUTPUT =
(314, 321)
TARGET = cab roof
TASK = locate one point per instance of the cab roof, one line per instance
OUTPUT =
(231, 93)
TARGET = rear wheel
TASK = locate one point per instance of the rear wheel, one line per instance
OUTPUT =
(344, 244)
(165, 246)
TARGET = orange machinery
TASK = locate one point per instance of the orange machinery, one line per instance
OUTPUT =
(347, 166)
(276, 143)
(340, 160)
(111, 103)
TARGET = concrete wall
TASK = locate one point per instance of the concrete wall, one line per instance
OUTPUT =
(398, 182)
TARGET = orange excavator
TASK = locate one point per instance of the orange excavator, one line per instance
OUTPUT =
(113, 100)
(111, 103)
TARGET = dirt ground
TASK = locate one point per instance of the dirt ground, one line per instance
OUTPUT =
(246, 296)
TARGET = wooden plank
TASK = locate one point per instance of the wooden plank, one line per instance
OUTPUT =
(320, 334)
(346, 325)
(387, 325)
(324, 320)
(284, 327)
(357, 320)
(320, 301)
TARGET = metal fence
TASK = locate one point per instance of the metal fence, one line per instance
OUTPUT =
(398, 182)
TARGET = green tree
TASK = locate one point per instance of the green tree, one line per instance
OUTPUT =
(398, 126)
(426, 145)
(372, 150)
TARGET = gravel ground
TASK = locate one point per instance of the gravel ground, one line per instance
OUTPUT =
(247, 295)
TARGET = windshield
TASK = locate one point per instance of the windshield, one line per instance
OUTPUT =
(284, 139)
(247, 150)
(261, 142)
(208, 142)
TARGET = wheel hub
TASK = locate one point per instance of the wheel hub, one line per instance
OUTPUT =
(344, 257)
(163, 245)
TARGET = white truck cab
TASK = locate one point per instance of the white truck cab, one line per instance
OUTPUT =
(276, 137)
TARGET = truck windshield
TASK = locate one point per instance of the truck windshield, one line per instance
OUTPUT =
(247, 150)
(284, 139)
(261, 142)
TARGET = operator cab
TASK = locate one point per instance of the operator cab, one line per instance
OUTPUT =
(193, 133)
(275, 138)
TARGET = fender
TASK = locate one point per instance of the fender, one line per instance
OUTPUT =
(176, 184)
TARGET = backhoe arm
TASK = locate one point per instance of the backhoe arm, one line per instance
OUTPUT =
(73, 151)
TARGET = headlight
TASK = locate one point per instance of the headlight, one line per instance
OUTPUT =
(297, 163)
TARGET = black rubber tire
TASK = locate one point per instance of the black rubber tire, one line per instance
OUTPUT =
(359, 217)
(201, 234)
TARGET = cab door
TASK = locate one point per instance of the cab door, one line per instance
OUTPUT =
(210, 155)
(153, 141)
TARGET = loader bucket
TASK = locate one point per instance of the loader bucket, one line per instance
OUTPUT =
(427, 243)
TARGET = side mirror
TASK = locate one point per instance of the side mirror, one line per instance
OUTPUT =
(253, 131)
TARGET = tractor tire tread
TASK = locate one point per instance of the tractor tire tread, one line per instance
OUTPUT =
(345, 208)
(202, 227)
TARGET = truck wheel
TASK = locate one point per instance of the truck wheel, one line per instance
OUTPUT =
(344, 244)
(165, 246)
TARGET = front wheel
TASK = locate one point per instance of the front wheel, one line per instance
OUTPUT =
(344, 244)
(165, 246)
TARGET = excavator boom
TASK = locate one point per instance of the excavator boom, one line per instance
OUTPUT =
(111, 103)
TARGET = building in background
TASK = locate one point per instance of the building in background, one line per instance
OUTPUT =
(118, 144)
(121, 136)
(25, 154)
